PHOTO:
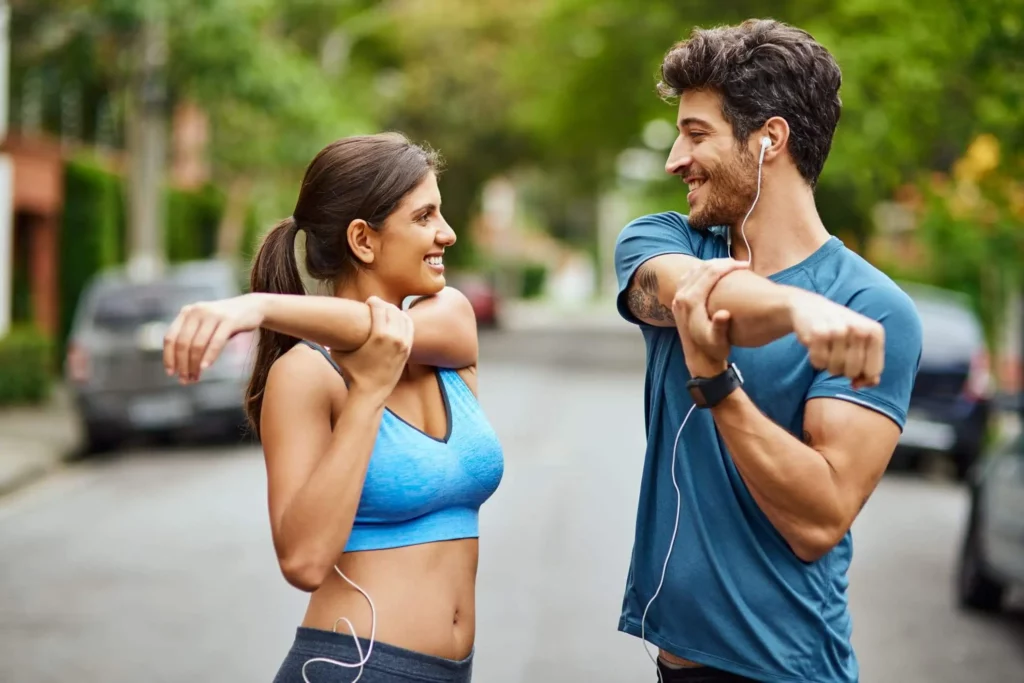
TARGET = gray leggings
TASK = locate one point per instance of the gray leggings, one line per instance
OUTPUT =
(387, 663)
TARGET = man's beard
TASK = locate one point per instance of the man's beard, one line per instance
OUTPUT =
(733, 187)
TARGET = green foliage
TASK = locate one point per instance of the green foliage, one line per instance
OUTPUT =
(90, 233)
(534, 276)
(555, 86)
(256, 67)
(192, 221)
(26, 365)
(251, 235)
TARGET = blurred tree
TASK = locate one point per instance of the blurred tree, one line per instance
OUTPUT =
(446, 85)
(563, 86)
(269, 75)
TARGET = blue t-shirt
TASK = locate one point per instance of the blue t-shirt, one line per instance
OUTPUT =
(735, 596)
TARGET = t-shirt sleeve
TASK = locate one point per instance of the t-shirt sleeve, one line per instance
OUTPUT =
(642, 240)
(898, 315)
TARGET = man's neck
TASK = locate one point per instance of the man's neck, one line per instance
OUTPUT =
(783, 230)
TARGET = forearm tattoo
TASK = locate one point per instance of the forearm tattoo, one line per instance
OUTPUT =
(642, 298)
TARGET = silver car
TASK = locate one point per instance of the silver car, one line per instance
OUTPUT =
(992, 553)
(114, 366)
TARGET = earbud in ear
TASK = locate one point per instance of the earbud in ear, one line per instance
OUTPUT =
(766, 142)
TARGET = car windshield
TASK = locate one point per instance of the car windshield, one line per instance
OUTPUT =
(124, 308)
(951, 332)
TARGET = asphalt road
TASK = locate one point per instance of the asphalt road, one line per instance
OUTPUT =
(157, 565)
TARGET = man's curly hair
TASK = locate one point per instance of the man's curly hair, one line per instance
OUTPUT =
(763, 68)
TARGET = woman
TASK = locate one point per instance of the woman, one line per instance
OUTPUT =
(378, 455)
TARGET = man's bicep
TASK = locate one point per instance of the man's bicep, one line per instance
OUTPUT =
(857, 441)
(640, 251)
(653, 286)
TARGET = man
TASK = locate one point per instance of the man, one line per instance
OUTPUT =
(804, 361)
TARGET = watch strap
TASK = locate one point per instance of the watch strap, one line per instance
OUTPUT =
(708, 392)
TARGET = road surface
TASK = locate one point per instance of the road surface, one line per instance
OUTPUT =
(179, 538)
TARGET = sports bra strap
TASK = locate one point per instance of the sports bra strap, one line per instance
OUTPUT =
(326, 354)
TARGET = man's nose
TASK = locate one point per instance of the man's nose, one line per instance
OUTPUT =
(679, 158)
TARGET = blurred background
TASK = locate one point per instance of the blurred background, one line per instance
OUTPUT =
(148, 145)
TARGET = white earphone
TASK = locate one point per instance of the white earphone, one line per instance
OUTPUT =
(766, 142)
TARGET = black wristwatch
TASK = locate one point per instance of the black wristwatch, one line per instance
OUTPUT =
(708, 392)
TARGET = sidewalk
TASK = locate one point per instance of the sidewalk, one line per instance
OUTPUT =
(35, 440)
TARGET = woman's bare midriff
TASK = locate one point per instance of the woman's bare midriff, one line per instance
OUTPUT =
(424, 595)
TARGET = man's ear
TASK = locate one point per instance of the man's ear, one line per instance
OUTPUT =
(776, 129)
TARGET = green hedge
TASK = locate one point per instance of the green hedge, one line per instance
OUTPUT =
(26, 366)
(191, 223)
(534, 277)
(95, 230)
(91, 234)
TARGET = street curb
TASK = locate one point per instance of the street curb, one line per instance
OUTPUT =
(35, 441)
(31, 461)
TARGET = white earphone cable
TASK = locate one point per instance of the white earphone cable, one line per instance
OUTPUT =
(765, 143)
(373, 633)
(675, 531)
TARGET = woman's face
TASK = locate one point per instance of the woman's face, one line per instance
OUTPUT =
(410, 258)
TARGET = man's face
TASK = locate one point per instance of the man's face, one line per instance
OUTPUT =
(721, 173)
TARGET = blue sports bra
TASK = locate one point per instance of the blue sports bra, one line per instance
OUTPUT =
(420, 489)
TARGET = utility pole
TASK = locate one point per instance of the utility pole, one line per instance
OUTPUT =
(148, 147)
(6, 179)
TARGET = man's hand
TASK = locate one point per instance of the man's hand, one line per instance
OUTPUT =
(842, 341)
(705, 338)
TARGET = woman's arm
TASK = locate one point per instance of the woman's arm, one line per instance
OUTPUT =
(445, 331)
(315, 475)
(445, 325)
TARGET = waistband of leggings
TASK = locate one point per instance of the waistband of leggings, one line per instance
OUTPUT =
(342, 646)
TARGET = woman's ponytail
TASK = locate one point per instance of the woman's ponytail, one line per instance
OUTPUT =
(274, 271)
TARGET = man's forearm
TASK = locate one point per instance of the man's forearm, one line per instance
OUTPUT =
(793, 484)
(760, 310)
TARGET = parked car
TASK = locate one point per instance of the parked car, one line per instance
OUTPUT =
(482, 294)
(992, 553)
(114, 364)
(951, 401)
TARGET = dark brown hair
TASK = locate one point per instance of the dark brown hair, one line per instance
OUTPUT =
(763, 68)
(357, 177)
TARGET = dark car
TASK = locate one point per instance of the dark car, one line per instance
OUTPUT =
(951, 401)
(114, 366)
(992, 554)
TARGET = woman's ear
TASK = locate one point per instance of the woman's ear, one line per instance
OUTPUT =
(362, 241)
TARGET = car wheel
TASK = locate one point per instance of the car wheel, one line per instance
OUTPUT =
(976, 589)
(100, 439)
(962, 463)
(904, 460)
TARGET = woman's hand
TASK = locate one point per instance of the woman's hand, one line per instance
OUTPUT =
(376, 366)
(201, 330)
